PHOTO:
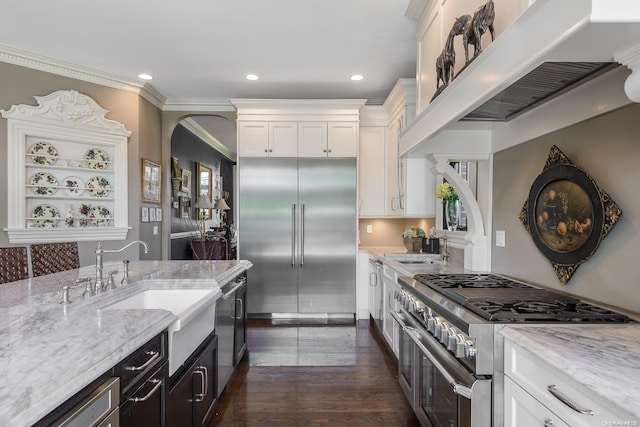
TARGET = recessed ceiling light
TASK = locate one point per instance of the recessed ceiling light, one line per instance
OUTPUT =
(357, 77)
(145, 76)
(251, 77)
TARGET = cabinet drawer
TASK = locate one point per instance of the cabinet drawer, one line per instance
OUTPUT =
(521, 409)
(550, 387)
(143, 361)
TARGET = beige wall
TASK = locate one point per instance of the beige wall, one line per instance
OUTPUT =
(18, 85)
(388, 232)
(607, 148)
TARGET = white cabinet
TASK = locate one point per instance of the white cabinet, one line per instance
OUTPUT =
(67, 171)
(312, 139)
(410, 185)
(327, 139)
(521, 409)
(342, 139)
(371, 167)
(363, 295)
(536, 390)
(390, 328)
(268, 139)
(297, 139)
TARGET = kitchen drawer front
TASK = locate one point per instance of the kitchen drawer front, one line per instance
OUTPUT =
(143, 361)
(536, 376)
(521, 409)
(390, 272)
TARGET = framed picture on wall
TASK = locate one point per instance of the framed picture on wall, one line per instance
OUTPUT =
(152, 215)
(150, 181)
(144, 214)
(159, 214)
(186, 181)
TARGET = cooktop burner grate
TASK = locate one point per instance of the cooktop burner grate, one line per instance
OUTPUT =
(515, 310)
(499, 298)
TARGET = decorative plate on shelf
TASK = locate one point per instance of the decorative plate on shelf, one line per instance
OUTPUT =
(99, 216)
(45, 216)
(73, 186)
(97, 159)
(43, 153)
(99, 186)
(44, 184)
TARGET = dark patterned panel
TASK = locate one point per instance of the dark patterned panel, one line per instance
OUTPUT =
(13, 264)
(48, 258)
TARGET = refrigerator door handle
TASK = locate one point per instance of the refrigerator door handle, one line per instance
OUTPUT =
(302, 235)
(293, 235)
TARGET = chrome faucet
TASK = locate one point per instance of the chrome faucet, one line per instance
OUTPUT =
(100, 251)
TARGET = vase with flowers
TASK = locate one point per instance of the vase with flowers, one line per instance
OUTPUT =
(451, 205)
(413, 238)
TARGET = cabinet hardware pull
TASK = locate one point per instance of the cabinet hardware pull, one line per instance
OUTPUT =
(155, 388)
(203, 384)
(240, 283)
(562, 398)
(548, 423)
(241, 315)
(154, 355)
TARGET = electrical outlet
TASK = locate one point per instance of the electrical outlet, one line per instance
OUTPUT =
(155, 230)
(369, 228)
(500, 238)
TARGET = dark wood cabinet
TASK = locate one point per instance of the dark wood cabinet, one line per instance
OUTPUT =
(192, 394)
(144, 379)
(240, 329)
(145, 406)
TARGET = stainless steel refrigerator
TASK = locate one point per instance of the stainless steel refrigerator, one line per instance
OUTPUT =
(298, 225)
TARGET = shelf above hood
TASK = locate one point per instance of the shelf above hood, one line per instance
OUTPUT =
(553, 48)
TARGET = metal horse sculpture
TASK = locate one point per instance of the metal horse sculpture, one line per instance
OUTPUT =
(475, 27)
(447, 59)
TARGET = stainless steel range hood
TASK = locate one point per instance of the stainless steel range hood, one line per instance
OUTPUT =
(550, 68)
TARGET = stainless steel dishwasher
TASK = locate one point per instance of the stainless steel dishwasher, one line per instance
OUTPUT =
(225, 329)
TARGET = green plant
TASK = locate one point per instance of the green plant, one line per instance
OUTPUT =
(413, 231)
(446, 192)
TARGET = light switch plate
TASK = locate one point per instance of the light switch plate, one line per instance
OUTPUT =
(500, 238)
(155, 230)
(369, 228)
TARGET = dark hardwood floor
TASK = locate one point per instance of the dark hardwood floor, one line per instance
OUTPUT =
(314, 375)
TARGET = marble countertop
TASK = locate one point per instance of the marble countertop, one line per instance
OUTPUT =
(49, 351)
(603, 359)
(411, 269)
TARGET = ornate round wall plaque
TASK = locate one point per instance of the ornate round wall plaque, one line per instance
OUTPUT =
(567, 214)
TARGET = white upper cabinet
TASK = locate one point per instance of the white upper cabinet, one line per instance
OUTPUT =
(283, 139)
(298, 128)
(66, 171)
(371, 166)
(268, 139)
(342, 139)
(312, 139)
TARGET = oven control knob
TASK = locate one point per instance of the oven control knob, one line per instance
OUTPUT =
(431, 325)
(452, 343)
(465, 349)
(442, 332)
(411, 306)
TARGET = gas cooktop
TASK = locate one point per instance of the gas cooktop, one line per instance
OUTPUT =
(501, 299)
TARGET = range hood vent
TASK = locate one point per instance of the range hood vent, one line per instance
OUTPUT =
(542, 84)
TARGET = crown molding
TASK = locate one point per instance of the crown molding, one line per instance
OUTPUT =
(198, 105)
(206, 137)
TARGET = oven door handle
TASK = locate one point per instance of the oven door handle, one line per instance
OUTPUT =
(461, 386)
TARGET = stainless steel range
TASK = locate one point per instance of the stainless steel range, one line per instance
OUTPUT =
(451, 358)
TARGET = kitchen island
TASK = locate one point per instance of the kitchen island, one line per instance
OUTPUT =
(49, 351)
